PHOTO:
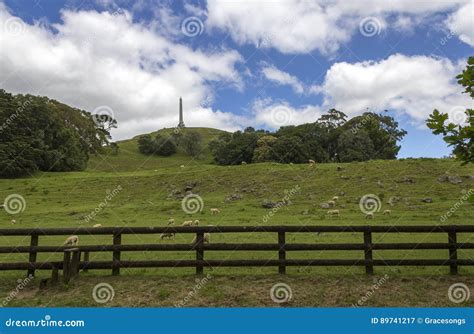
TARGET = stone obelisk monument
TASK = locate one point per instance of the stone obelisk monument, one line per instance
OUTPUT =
(181, 122)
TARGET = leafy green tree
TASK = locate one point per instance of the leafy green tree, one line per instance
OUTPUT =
(191, 143)
(263, 151)
(233, 149)
(165, 146)
(355, 146)
(289, 149)
(460, 136)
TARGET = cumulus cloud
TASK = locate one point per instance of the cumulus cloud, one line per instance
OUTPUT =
(92, 59)
(299, 26)
(274, 114)
(283, 78)
(410, 85)
(462, 23)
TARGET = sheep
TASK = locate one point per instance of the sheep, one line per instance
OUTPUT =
(311, 162)
(243, 163)
(334, 213)
(13, 221)
(196, 222)
(73, 240)
(97, 225)
(207, 238)
(187, 223)
(335, 198)
(387, 212)
(369, 215)
(182, 166)
(167, 235)
(171, 221)
(215, 211)
(332, 204)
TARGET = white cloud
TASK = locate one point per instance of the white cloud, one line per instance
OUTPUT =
(299, 26)
(283, 78)
(462, 23)
(94, 59)
(274, 114)
(411, 85)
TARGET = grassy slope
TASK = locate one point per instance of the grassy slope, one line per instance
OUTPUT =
(63, 199)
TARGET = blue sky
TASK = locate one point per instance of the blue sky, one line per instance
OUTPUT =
(246, 63)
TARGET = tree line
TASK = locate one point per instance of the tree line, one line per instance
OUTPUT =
(41, 134)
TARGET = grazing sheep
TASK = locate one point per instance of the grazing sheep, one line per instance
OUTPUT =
(243, 163)
(182, 166)
(97, 225)
(215, 211)
(311, 162)
(73, 240)
(187, 223)
(335, 198)
(207, 238)
(332, 204)
(171, 221)
(369, 215)
(167, 235)
(387, 212)
(13, 221)
(333, 213)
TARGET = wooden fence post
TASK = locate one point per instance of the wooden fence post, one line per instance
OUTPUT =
(199, 252)
(32, 257)
(75, 259)
(453, 253)
(54, 275)
(369, 267)
(281, 252)
(116, 255)
(66, 266)
(86, 260)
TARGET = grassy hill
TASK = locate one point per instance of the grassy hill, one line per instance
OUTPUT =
(130, 159)
(152, 188)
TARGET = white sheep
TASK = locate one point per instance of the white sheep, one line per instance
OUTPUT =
(167, 235)
(335, 198)
(187, 223)
(334, 213)
(97, 225)
(387, 212)
(215, 211)
(243, 163)
(207, 238)
(13, 221)
(73, 240)
(332, 204)
(311, 162)
(171, 221)
(369, 215)
(182, 166)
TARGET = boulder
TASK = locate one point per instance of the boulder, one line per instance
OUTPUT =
(427, 200)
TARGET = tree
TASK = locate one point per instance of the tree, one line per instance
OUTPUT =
(263, 151)
(37, 133)
(461, 135)
(146, 145)
(192, 143)
(165, 146)
(290, 149)
(233, 149)
(355, 146)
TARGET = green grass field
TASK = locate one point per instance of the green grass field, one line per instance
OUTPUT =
(150, 195)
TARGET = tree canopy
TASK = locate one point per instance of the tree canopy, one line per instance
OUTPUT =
(41, 134)
(460, 135)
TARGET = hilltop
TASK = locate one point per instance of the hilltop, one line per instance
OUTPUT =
(130, 159)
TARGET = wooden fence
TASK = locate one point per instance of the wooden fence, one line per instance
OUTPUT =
(72, 255)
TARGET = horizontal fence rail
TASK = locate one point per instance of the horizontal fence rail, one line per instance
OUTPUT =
(72, 255)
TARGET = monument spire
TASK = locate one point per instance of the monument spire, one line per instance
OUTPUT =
(181, 122)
